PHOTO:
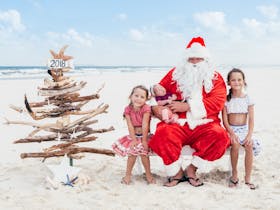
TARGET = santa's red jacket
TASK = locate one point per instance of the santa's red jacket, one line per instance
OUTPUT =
(213, 101)
(209, 140)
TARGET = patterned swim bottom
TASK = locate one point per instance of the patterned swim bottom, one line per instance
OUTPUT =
(241, 132)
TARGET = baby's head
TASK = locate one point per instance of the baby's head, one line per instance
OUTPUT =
(159, 90)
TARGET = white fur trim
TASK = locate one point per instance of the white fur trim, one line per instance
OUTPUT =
(197, 111)
(199, 162)
(182, 121)
(195, 102)
(197, 51)
(186, 154)
(195, 122)
(173, 168)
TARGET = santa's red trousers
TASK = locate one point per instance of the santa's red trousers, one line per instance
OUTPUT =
(209, 141)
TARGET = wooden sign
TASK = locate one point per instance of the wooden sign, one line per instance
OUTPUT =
(59, 64)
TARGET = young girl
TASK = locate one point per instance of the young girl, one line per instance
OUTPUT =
(238, 119)
(138, 116)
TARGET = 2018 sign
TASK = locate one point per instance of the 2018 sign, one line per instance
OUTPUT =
(57, 64)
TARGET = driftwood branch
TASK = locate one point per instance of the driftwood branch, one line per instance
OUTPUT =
(63, 91)
(66, 136)
(51, 84)
(16, 108)
(68, 99)
(100, 109)
(58, 88)
(74, 141)
(51, 137)
(60, 112)
(68, 151)
(92, 131)
(36, 125)
(55, 127)
(60, 129)
(63, 97)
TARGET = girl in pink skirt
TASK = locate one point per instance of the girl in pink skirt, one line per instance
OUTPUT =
(137, 115)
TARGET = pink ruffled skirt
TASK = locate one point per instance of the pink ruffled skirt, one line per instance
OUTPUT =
(122, 146)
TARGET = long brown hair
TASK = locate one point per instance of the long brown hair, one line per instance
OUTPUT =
(142, 87)
(234, 70)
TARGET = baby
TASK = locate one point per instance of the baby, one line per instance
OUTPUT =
(164, 98)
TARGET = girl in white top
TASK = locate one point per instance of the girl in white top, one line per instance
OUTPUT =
(238, 119)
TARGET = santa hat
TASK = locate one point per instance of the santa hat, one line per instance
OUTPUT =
(196, 48)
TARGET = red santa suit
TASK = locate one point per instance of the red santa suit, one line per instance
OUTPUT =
(203, 133)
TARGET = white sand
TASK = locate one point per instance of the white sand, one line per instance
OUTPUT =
(22, 181)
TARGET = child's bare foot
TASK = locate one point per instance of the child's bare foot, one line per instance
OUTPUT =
(126, 180)
(251, 185)
(232, 182)
(151, 180)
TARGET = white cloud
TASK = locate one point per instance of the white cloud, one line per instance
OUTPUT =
(36, 3)
(122, 16)
(153, 44)
(274, 28)
(85, 39)
(10, 21)
(255, 27)
(72, 36)
(270, 12)
(136, 35)
(214, 20)
(252, 23)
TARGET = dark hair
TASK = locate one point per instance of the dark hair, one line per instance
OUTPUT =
(234, 70)
(140, 87)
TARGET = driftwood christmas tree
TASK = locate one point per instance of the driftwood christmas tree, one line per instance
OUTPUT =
(62, 99)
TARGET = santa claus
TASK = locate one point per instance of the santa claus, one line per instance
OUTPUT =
(201, 94)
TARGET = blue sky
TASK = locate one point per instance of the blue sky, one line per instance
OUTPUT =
(143, 32)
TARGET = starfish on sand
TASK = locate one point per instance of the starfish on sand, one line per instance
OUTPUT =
(70, 182)
(64, 173)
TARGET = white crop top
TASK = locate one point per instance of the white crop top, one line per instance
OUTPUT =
(238, 105)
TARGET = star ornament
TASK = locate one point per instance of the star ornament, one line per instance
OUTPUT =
(60, 54)
(64, 172)
(60, 60)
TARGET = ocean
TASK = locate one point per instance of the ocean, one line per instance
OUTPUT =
(40, 72)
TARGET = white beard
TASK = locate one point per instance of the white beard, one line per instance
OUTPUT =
(191, 78)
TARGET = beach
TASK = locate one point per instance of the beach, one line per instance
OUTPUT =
(23, 181)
